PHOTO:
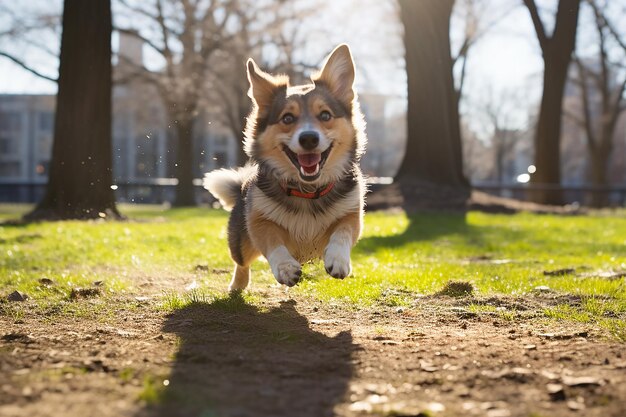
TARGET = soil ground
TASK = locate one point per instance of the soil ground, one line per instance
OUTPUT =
(293, 356)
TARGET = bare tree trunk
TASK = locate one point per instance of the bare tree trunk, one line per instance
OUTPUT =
(433, 152)
(547, 137)
(185, 194)
(79, 185)
(557, 51)
(600, 78)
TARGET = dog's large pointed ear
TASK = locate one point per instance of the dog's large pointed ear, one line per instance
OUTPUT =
(337, 74)
(263, 87)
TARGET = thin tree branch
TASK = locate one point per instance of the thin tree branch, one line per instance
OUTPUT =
(619, 105)
(27, 67)
(138, 10)
(42, 47)
(604, 70)
(462, 53)
(537, 23)
(616, 35)
(610, 108)
(459, 90)
(134, 33)
(137, 72)
(167, 52)
(471, 39)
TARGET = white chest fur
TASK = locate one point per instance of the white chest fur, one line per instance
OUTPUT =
(306, 227)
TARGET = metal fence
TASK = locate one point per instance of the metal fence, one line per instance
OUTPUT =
(571, 194)
(144, 191)
(162, 190)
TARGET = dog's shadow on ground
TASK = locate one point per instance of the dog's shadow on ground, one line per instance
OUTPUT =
(237, 360)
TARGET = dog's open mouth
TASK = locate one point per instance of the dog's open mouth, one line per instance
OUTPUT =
(308, 164)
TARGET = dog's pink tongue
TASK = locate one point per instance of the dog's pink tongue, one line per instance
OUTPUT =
(309, 160)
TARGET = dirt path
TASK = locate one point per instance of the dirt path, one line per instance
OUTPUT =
(296, 357)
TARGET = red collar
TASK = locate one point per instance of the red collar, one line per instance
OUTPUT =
(320, 192)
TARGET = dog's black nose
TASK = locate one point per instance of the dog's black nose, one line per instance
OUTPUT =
(309, 139)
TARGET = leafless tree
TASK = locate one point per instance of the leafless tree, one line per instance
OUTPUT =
(477, 18)
(27, 28)
(80, 179)
(476, 163)
(185, 34)
(282, 32)
(433, 152)
(498, 119)
(498, 112)
(203, 45)
(79, 184)
(602, 83)
(556, 49)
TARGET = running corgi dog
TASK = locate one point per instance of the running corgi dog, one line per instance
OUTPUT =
(302, 194)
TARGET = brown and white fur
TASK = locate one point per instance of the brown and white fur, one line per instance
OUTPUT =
(303, 141)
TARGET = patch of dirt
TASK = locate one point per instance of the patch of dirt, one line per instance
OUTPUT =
(297, 357)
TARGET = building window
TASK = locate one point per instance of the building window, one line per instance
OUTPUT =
(10, 169)
(44, 146)
(10, 122)
(46, 121)
(6, 146)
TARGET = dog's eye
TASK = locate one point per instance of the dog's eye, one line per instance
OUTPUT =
(288, 118)
(325, 116)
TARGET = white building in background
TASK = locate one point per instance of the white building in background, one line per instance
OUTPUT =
(26, 130)
(144, 141)
(385, 118)
(144, 144)
(143, 147)
(26, 123)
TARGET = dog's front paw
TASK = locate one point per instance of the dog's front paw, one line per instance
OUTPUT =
(337, 261)
(288, 272)
(286, 269)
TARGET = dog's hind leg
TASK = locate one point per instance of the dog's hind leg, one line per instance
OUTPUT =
(241, 278)
(243, 255)
(241, 249)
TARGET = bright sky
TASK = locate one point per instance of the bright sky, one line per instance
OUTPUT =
(505, 59)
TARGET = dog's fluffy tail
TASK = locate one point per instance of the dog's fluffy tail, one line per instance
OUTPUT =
(227, 184)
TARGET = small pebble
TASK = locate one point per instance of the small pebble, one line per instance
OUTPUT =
(17, 296)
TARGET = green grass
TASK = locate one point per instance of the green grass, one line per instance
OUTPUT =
(11, 211)
(398, 258)
(76, 254)
(153, 389)
(423, 253)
